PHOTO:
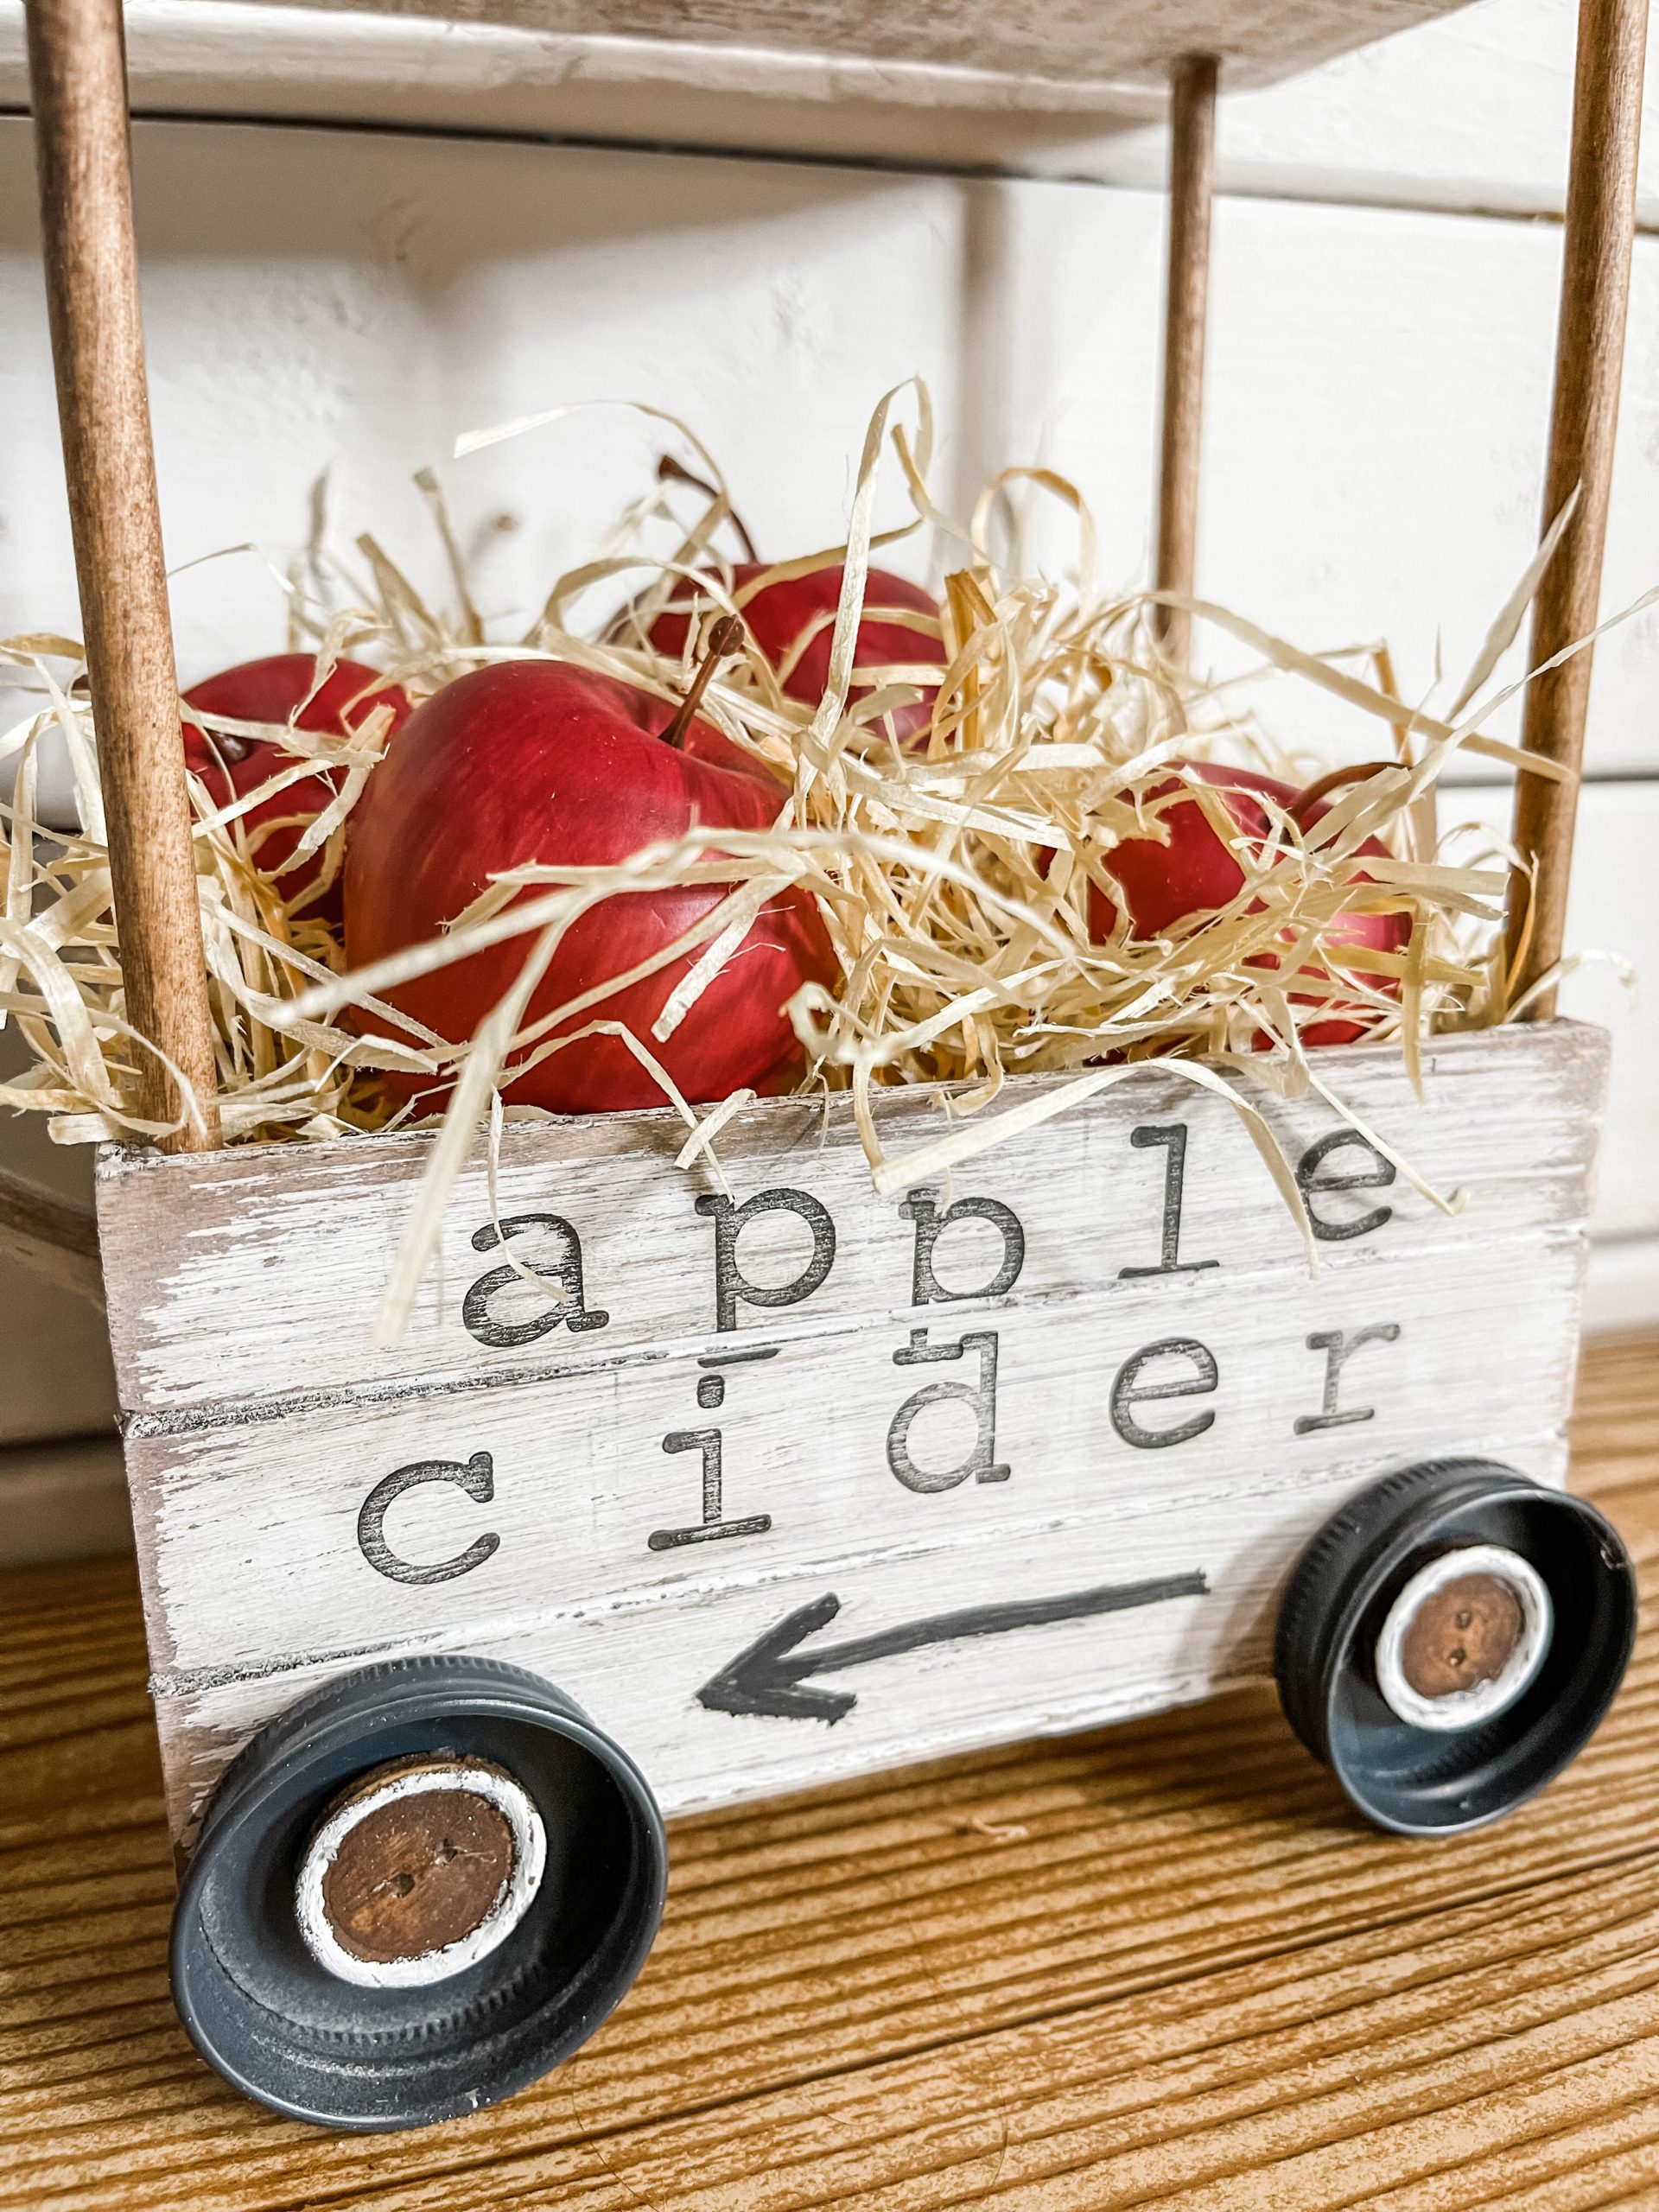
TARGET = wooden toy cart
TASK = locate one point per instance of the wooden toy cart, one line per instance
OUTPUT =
(798, 1481)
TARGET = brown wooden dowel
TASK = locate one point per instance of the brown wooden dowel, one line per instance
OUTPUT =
(1589, 354)
(78, 76)
(1192, 190)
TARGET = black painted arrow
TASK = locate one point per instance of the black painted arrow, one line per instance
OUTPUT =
(769, 1676)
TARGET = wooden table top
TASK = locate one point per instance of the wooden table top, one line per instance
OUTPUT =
(1160, 1964)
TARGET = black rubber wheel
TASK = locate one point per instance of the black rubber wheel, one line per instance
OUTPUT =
(271, 2018)
(1334, 1652)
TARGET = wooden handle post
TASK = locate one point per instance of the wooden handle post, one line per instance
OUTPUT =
(78, 74)
(1589, 355)
(1192, 190)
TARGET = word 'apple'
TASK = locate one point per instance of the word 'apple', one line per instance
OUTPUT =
(270, 690)
(541, 761)
(1196, 872)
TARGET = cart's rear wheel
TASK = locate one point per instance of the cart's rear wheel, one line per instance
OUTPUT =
(1451, 1639)
(414, 1893)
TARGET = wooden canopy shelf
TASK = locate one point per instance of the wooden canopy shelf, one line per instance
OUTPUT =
(556, 64)
(1061, 42)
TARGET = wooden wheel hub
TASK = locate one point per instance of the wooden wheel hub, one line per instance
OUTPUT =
(1463, 1634)
(417, 1874)
(419, 1870)
(1464, 1637)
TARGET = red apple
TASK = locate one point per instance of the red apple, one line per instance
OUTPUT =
(777, 615)
(1196, 871)
(270, 690)
(543, 762)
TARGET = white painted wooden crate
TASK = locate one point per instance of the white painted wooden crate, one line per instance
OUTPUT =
(803, 1482)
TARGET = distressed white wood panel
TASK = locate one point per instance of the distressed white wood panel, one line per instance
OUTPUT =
(905, 1463)
(637, 1670)
(817, 1441)
(248, 1278)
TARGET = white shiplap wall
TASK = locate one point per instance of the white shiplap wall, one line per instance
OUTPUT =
(350, 299)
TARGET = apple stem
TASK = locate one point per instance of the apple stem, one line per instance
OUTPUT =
(670, 471)
(1311, 793)
(723, 640)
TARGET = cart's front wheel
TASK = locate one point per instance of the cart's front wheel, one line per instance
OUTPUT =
(1451, 1639)
(414, 1893)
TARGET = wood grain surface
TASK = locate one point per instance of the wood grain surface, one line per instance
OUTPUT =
(1160, 1964)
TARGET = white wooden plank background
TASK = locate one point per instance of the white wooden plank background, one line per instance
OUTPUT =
(1379, 380)
(1614, 908)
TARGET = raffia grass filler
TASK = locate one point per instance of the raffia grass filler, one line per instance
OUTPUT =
(953, 875)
